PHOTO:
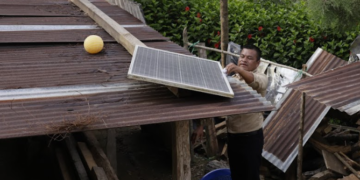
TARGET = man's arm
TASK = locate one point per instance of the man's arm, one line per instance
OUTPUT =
(248, 76)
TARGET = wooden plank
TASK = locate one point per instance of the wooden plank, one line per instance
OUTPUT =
(181, 150)
(323, 175)
(98, 173)
(63, 167)
(99, 155)
(211, 138)
(71, 146)
(111, 148)
(86, 155)
(120, 34)
(333, 163)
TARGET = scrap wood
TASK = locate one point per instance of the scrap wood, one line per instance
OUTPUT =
(332, 149)
(323, 175)
(219, 125)
(350, 161)
(333, 163)
(350, 177)
(357, 175)
(345, 127)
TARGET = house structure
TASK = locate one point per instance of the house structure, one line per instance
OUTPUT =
(49, 81)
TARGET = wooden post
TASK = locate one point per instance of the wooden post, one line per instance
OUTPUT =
(224, 20)
(65, 172)
(211, 139)
(191, 127)
(75, 157)
(301, 133)
(185, 39)
(99, 155)
(111, 148)
(181, 151)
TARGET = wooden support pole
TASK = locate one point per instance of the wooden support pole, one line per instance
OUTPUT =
(79, 166)
(181, 150)
(301, 134)
(211, 139)
(98, 173)
(86, 156)
(224, 20)
(185, 39)
(120, 34)
(99, 155)
(111, 148)
(65, 172)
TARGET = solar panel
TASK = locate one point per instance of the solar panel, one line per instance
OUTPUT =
(178, 70)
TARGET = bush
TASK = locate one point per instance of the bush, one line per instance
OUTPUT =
(283, 32)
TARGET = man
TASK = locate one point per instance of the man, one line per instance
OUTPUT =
(245, 135)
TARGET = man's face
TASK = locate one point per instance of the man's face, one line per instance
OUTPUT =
(247, 60)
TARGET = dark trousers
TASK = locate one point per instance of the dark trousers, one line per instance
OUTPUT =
(244, 151)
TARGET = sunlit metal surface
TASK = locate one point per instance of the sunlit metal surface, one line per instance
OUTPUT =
(281, 126)
(337, 88)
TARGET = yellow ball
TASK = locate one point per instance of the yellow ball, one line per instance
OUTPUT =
(93, 44)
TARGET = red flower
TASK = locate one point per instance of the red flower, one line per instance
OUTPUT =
(325, 37)
(218, 33)
(294, 41)
(311, 39)
(260, 28)
(187, 8)
(200, 20)
(217, 45)
(209, 41)
(278, 28)
(198, 15)
(249, 36)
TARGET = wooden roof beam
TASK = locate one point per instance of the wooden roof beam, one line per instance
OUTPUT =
(119, 33)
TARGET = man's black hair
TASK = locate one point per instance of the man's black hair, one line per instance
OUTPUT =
(253, 47)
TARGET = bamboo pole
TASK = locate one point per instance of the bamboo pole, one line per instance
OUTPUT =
(237, 55)
(185, 38)
(301, 133)
(224, 20)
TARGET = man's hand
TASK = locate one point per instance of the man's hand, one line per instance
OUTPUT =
(230, 68)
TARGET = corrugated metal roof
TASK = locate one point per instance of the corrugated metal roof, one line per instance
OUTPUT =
(38, 67)
(337, 88)
(281, 126)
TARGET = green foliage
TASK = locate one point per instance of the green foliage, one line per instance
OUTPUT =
(336, 14)
(282, 31)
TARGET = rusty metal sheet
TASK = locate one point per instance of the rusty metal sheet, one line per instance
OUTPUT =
(33, 66)
(280, 127)
(77, 35)
(337, 88)
(40, 10)
(54, 36)
(82, 20)
(154, 104)
(33, 2)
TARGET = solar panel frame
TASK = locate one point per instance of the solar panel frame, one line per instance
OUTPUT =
(183, 63)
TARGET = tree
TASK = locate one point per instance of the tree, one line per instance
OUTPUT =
(335, 14)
